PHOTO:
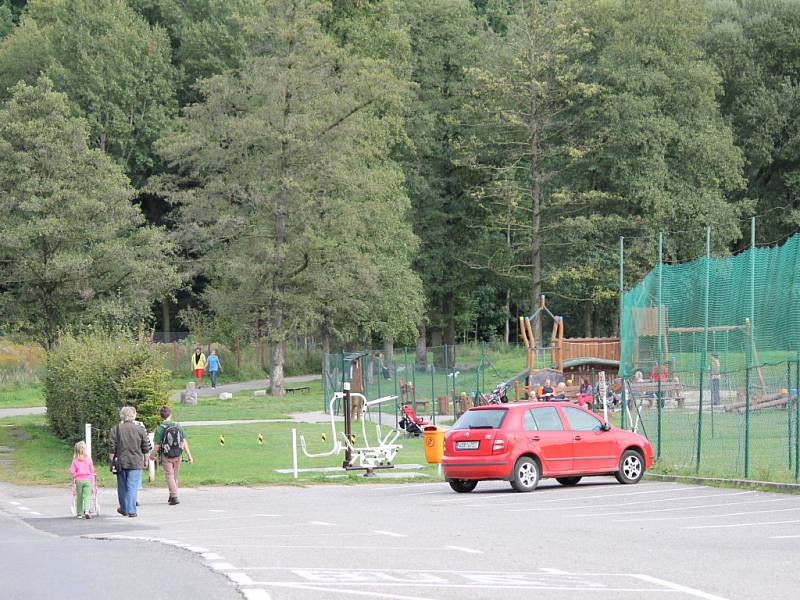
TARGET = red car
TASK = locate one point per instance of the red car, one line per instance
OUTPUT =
(521, 443)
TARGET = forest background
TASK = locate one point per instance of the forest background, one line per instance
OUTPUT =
(373, 172)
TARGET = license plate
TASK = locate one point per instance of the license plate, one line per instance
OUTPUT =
(471, 445)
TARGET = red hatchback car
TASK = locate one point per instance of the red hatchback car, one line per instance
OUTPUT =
(521, 443)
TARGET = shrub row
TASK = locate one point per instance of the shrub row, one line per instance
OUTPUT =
(91, 376)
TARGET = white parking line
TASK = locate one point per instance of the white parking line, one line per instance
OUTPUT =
(510, 495)
(212, 556)
(256, 594)
(741, 525)
(300, 586)
(784, 537)
(553, 571)
(240, 578)
(463, 549)
(680, 507)
(735, 514)
(389, 533)
(323, 523)
(222, 566)
(678, 587)
(638, 502)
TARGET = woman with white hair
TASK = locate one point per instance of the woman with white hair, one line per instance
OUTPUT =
(129, 444)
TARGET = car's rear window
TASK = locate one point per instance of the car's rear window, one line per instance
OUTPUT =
(481, 419)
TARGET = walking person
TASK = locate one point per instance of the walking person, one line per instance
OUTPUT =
(82, 471)
(128, 447)
(715, 377)
(198, 365)
(214, 366)
(170, 443)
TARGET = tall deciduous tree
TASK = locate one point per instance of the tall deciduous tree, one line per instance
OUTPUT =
(294, 199)
(73, 249)
(112, 65)
(756, 47)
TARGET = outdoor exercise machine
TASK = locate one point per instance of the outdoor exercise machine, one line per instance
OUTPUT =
(358, 457)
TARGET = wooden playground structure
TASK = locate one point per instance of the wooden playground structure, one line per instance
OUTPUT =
(568, 357)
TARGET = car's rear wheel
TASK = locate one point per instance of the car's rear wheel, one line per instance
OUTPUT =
(568, 480)
(525, 475)
(462, 486)
(631, 467)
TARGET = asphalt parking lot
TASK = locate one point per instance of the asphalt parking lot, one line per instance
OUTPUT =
(423, 541)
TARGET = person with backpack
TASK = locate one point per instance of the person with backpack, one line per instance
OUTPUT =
(169, 444)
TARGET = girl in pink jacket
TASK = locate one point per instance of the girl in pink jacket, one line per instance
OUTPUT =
(82, 471)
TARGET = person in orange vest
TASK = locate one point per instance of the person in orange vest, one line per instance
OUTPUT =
(198, 365)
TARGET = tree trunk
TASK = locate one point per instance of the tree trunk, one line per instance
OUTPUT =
(437, 345)
(507, 325)
(165, 322)
(422, 348)
(388, 351)
(588, 311)
(450, 333)
(326, 342)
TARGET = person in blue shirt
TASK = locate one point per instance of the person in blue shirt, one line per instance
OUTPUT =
(213, 366)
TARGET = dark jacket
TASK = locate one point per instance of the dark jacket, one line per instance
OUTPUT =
(129, 441)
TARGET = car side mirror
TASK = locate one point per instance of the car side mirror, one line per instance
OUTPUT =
(605, 427)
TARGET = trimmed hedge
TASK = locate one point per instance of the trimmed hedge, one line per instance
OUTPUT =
(91, 376)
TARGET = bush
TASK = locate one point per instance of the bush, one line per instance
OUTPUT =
(91, 376)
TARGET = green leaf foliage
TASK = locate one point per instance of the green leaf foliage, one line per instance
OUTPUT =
(113, 66)
(285, 184)
(73, 249)
(91, 376)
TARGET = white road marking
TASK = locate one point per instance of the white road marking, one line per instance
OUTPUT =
(463, 549)
(212, 556)
(491, 586)
(784, 537)
(322, 523)
(217, 510)
(25, 508)
(678, 588)
(256, 594)
(261, 515)
(36, 513)
(734, 514)
(741, 525)
(553, 571)
(240, 578)
(222, 566)
(14, 503)
(301, 586)
(389, 533)
(198, 549)
(568, 508)
(338, 547)
(512, 496)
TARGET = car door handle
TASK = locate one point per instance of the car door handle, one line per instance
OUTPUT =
(535, 438)
(578, 438)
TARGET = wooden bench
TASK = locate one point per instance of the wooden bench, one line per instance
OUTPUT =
(302, 388)
(670, 390)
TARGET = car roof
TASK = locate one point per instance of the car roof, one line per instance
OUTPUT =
(519, 405)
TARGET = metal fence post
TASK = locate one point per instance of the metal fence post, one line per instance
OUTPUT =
(797, 418)
(659, 395)
(622, 370)
(789, 411)
(397, 395)
(433, 391)
(747, 421)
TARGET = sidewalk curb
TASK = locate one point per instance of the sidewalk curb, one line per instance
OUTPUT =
(786, 488)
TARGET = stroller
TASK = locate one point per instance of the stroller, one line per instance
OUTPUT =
(94, 508)
(410, 422)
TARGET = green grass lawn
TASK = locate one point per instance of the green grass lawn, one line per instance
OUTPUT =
(21, 397)
(40, 458)
(244, 405)
(722, 447)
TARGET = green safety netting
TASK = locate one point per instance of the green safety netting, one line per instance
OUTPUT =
(717, 340)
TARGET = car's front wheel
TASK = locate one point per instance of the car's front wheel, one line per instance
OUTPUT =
(526, 474)
(631, 467)
(568, 480)
(462, 486)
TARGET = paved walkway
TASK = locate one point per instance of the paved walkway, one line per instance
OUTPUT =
(255, 384)
(21, 412)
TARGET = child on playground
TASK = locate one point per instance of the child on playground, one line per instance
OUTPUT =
(82, 471)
